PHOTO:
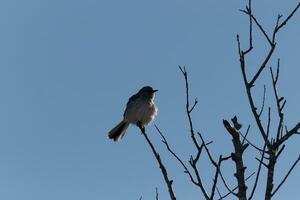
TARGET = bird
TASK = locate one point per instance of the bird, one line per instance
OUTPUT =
(140, 111)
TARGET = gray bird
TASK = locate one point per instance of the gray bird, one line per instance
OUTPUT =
(140, 111)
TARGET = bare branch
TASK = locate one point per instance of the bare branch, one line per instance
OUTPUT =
(249, 142)
(288, 18)
(239, 44)
(262, 162)
(160, 163)
(291, 132)
(273, 145)
(259, 26)
(237, 157)
(269, 121)
(186, 170)
(271, 170)
(245, 137)
(193, 161)
(263, 65)
(286, 176)
(192, 108)
(217, 165)
(258, 173)
(215, 180)
(249, 10)
(193, 164)
(278, 100)
(187, 107)
(277, 72)
(280, 151)
(249, 95)
(276, 26)
(223, 197)
(263, 102)
(220, 196)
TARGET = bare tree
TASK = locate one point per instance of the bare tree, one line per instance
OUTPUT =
(273, 143)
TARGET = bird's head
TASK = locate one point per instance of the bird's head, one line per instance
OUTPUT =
(147, 92)
(148, 89)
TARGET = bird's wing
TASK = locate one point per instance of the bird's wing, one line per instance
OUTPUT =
(130, 100)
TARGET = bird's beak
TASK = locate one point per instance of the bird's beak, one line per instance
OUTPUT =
(155, 91)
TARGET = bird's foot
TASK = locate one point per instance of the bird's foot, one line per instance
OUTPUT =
(142, 127)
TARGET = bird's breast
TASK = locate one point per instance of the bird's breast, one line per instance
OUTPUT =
(140, 111)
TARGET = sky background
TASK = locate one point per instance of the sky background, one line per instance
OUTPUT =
(67, 69)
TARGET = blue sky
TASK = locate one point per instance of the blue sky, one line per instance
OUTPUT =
(67, 69)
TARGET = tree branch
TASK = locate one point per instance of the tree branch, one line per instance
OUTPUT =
(160, 163)
(286, 176)
(186, 170)
(258, 172)
(237, 157)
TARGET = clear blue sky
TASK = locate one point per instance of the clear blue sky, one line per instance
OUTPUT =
(67, 69)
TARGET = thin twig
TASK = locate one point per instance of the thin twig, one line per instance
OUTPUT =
(259, 26)
(186, 170)
(187, 106)
(286, 176)
(288, 18)
(263, 65)
(193, 161)
(156, 194)
(217, 165)
(258, 173)
(226, 195)
(291, 132)
(249, 10)
(219, 193)
(160, 163)
(263, 102)
(249, 142)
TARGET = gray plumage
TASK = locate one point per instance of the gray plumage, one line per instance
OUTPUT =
(140, 109)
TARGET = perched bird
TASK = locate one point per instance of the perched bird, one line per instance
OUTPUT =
(140, 111)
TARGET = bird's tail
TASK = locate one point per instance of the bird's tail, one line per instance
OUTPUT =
(118, 132)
